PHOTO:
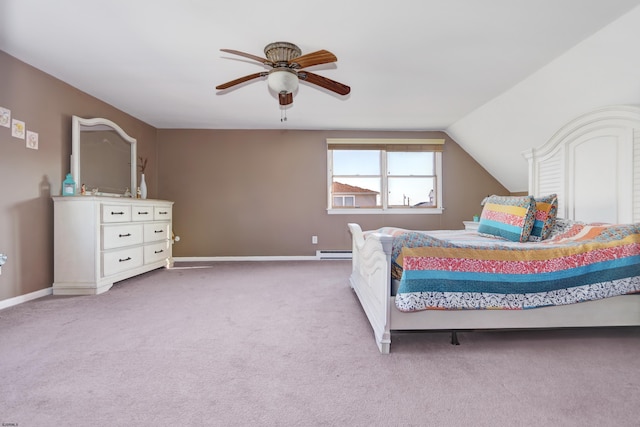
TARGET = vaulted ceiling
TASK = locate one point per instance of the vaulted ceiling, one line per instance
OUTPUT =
(411, 65)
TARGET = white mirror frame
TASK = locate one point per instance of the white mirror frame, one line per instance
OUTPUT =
(76, 124)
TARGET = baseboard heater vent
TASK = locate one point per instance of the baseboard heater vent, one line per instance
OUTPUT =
(333, 254)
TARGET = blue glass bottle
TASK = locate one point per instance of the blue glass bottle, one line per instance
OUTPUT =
(68, 186)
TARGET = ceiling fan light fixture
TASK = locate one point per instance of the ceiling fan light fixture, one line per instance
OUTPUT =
(282, 80)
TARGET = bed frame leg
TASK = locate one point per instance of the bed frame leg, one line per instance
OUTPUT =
(454, 338)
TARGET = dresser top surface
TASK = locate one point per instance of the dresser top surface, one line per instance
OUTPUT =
(110, 200)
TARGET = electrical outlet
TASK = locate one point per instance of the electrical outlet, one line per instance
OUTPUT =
(314, 240)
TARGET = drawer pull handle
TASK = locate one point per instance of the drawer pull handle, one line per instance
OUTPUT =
(124, 235)
(158, 231)
(163, 213)
(126, 259)
(158, 252)
(117, 213)
(143, 213)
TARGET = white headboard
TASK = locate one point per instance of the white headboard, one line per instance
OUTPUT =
(593, 164)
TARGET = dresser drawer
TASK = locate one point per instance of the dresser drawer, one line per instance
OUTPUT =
(157, 231)
(118, 236)
(161, 213)
(156, 252)
(116, 213)
(142, 213)
(114, 262)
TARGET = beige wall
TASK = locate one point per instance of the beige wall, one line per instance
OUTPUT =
(28, 178)
(263, 193)
(237, 193)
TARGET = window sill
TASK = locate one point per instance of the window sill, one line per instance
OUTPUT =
(392, 211)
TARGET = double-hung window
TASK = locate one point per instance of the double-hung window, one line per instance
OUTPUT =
(384, 175)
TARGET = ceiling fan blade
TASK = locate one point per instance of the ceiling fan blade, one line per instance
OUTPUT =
(241, 80)
(313, 58)
(285, 98)
(324, 82)
(261, 60)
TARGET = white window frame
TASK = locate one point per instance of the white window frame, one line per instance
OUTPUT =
(384, 209)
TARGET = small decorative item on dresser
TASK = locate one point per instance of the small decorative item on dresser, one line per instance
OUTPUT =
(143, 187)
(143, 184)
(68, 186)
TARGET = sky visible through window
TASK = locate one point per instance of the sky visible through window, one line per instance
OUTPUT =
(405, 188)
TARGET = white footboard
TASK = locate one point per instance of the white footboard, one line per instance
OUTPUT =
(371, 281)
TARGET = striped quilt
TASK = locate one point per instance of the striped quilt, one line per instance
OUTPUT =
(463, 270)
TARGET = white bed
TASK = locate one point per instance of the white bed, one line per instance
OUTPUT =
(597, 153)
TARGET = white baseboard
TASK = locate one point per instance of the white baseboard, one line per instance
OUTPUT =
(24, 298)
(247, 258)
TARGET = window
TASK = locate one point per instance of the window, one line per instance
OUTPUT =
(382, 175)
(341, 201)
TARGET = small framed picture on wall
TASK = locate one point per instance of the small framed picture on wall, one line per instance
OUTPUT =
(17, 128)
(32, 140)
(5, 117)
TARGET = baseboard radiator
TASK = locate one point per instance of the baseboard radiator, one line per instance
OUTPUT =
(333, 254)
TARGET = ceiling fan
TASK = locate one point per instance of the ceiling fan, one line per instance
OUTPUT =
(287, 63)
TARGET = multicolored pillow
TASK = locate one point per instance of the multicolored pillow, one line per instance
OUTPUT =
(545, 218)
(508, 217)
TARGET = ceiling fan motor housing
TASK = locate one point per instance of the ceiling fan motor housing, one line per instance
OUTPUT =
(281, 52)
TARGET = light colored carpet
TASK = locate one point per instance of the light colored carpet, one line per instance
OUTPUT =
(287, 344)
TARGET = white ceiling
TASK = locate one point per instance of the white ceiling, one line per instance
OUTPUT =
(411, 65)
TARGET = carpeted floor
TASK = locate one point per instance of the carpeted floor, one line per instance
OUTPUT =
(287, 344)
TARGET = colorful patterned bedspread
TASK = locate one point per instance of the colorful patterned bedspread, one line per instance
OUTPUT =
(463, 270)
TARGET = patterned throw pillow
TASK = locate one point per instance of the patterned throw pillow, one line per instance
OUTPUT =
(510, 218)
(546, 212)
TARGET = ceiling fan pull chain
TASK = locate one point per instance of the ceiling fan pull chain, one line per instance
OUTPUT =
(283, 115)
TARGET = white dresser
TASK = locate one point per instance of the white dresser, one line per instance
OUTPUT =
(102, 240)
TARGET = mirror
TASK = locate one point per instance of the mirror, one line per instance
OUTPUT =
(103, 157)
